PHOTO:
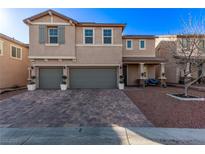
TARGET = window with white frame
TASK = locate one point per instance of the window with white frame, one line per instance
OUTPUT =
(202, 44)
(16, 52)
(1, 48)
(107, 36)
(53, 35)
(88, 36)
(185, 42)
(142, 44)
(129, 44)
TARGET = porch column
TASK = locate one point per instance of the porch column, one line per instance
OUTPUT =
(162, 70)
(29, 73)
(33, 71)
(162, 75)
(142, 75)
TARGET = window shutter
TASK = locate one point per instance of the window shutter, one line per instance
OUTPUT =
(42, 34)
(61, 34)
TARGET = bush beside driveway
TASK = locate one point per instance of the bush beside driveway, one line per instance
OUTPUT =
(71, 108)
(164, 111)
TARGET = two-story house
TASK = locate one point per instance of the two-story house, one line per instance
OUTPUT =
(168, 45)
(14, 63)
(87, 54)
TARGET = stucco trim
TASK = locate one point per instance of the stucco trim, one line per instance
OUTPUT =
(52, 44)
(124, 56)
(99, 45)
(49, 23)
(51, 57)
(78, 65)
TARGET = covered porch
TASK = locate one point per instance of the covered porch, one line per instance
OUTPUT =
(138, 69)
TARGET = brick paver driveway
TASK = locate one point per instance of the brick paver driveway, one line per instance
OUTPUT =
(55, 108)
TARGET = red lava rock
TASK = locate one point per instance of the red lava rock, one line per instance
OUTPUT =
(164, 111)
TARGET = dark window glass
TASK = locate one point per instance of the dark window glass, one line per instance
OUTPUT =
(88, 32)
(13, 53)
(107, 40)
(129, 44)
(107, 32)
(142, 44)
(53, 35)
(53, 40)
(107, 36)
(88, 36)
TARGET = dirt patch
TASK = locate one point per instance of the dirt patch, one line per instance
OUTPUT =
(164, 111)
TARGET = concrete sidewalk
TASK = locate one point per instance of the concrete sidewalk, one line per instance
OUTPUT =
(100, 136)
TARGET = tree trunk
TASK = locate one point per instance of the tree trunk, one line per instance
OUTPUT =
(186, 90)
(187, 85)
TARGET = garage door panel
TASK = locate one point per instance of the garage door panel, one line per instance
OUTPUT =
(50, 78)
(93, 78)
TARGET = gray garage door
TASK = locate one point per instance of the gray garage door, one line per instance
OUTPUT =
(50, 78)
(93, 78)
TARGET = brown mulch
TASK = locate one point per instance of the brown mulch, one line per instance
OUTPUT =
(165, 111)
(11, 93)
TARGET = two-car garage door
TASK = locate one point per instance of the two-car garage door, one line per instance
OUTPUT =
(93, 78)
(51, 78)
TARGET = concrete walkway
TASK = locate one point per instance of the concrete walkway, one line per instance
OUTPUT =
(101, 136)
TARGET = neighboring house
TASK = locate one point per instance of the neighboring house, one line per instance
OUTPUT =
(14, 63)
(173, 72)
(91, 55)
(140, 61)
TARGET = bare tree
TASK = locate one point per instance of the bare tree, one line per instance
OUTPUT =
(188, 51)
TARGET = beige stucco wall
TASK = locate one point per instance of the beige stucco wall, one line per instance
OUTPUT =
(162, 50)
(48, 18)
(37, 49)
(136, 52)
(99, 55)
(74, 47)
(13, 72)
(117, 35)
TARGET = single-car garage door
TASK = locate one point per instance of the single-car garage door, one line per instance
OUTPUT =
(50, 78)
(93, 78)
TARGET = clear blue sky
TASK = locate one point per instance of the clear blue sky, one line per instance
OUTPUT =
(139, 21)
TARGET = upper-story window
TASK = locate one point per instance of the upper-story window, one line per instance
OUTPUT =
(53, 35)
(1, 48)
(202, 44)
(16, 52)
(185, 42)
(129, 44)
(88, 36)
(107, 36)
(142, 44)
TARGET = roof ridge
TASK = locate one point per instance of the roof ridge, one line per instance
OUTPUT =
(13, 40)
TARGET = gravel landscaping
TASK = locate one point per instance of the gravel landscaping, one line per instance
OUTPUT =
(165, 111)
(71, 108)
